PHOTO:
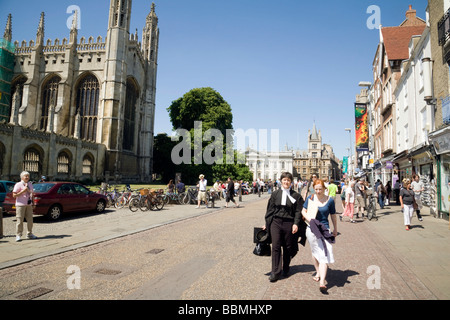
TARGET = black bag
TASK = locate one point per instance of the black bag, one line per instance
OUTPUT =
(262, 249)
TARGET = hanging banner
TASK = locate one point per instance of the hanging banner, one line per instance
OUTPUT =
(345, 165)
(362, 127)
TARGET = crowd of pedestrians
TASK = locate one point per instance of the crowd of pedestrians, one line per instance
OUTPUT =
(300, 211)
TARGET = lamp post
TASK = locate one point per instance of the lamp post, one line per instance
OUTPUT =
(351, 152)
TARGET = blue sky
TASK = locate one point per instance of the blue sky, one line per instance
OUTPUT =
(281, 65)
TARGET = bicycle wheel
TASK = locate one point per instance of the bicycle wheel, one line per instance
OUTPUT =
(134, 205)
(159, 203)
(180, 198)
(110, 202)
(144, 204)
(165, 198)
(120, 202)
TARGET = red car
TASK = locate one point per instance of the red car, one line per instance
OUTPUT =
(52, 199)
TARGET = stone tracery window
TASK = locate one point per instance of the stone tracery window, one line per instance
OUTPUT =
(88, 165)
(63, 163)
(32, 162)
(87, 107)
(49, 97)
(132, 95)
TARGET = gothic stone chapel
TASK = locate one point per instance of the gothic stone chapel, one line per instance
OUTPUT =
(82, 109)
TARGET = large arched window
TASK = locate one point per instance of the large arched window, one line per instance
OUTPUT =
(131, 98)
(87, 107)
(49, 96)
(88, 165)
(32, 162)
(17, 86)
(64, 163)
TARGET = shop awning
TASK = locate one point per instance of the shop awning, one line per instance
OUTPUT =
(401, 156)
(440, 140)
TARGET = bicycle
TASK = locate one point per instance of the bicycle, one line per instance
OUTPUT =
(136, 199)
(171, 196)
(147, 200)
(110, 195)
(372, 207)
(125, 198)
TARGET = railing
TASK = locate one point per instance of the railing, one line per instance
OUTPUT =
(444, 28)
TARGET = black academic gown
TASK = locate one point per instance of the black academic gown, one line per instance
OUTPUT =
(294, 211)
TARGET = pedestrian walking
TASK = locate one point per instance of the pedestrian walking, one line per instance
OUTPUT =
(349, 203)
(284, 224)
(418, 188)
(397, 192)
(202, 185)
(389, 192)
(230, 193)
(318, 233)
(23, 193)
(381, 191)
(332, 190)
(344, 186)
(359, 197)
(310, 187)
(407, 202)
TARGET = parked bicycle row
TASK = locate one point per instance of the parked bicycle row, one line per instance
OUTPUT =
(151, 199)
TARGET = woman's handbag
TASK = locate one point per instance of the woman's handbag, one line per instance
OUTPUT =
(262, 249)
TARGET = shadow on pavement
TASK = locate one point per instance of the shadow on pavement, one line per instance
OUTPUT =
(339, 278)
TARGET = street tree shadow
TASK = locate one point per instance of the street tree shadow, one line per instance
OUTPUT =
(339, 278)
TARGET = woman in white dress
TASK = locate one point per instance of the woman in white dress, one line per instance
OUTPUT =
(322, 250)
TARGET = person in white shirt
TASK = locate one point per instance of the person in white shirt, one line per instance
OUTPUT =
(202, 185)
(349, 202)
(417, 187)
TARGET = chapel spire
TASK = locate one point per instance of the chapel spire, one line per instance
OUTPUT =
(8, 30)
(40, 32)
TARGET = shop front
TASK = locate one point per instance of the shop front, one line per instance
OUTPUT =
(441, 142)
(423, 161)
(403, 162)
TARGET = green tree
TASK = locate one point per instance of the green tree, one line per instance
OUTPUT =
(202, 104)
(207, 106)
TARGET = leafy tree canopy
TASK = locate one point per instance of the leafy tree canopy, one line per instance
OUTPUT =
(201, 104)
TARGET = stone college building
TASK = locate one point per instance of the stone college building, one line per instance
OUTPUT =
(80, 109)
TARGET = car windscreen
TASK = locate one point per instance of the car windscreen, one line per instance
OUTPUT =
(42, 187)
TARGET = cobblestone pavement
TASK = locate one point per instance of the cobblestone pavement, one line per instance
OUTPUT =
(209, 257)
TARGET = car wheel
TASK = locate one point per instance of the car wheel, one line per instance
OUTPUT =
(55, 212)
(100, 207)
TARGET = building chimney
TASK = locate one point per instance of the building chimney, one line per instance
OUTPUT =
(410, 14)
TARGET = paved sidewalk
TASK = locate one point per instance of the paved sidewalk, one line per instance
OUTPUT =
(79, 231)
(375, 260)
(407, 265)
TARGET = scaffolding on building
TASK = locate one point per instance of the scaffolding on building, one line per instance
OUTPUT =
(6, 74)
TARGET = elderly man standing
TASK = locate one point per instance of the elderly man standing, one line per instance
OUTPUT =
(23, 193)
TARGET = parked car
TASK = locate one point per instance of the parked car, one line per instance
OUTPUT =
(5, 188)
(52, 199)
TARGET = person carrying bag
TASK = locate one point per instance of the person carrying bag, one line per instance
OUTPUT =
(285, 225)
